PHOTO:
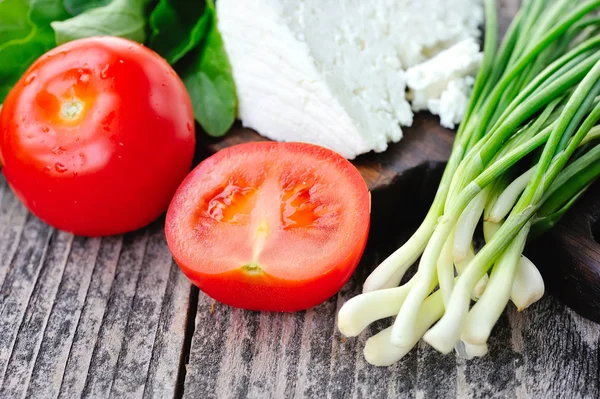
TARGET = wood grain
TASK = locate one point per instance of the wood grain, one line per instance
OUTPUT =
(87, 317)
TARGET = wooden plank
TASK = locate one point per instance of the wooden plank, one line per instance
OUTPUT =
(76, 351)
(69, 305)
(208, 348)
(144, 318)
(35, 320)
(87, 316)
(496, 374)
(19, 284)
(559, 352)
(547, 351)
(12, 221)
(168, 353)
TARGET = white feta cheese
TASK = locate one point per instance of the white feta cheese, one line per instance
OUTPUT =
(333, 72)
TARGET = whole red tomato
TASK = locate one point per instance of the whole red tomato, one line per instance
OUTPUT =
(97, 135)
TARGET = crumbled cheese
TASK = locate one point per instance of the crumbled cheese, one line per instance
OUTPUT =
(333, 72)
(453, 102)
(442, 83)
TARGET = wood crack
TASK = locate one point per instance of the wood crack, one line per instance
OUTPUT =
(187, 343)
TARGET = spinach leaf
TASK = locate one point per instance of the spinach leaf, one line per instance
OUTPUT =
(45, 11)
(14, 23)
(177, 28)
(210, 83)
(76, 7)
(124, 18)
(17, 54)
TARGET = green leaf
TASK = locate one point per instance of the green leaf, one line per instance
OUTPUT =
(177, 28)
(14, 23)
(16, 58)
(210, 83)
(17, 55)
(123, 18)
(45, 11)
(76, 7)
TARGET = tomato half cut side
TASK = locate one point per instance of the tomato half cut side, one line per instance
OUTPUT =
(270, 226)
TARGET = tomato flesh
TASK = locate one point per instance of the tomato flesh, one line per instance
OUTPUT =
(97, 135)
(270, 226)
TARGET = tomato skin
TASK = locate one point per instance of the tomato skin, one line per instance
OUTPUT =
(108, 161)
(268, 293)
(299, 269)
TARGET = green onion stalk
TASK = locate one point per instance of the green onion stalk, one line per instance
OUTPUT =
(527, 149)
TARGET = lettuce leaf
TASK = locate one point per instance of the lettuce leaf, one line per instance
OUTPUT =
(14, 23)
(22, 49)
(76, 7)
(123, 18)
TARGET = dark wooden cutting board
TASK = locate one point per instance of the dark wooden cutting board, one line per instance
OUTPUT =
(403, 180)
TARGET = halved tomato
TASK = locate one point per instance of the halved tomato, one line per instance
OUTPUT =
(270, 226)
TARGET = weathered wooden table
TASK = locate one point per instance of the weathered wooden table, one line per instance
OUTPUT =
(114, 317)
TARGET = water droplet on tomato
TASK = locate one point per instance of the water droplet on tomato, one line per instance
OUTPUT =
(189, 126)
(121, 144)
(30, 78)
(47, 168)
(45, 129)
(163, 84)
(58, 150)
(121, 61)
(106, 122)
(60, 168)
(84, 78)
(104, 72)
(119, 157)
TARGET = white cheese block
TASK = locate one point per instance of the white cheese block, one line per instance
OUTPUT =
(332, 72)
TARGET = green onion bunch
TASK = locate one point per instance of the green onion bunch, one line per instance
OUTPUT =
(527, 149)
